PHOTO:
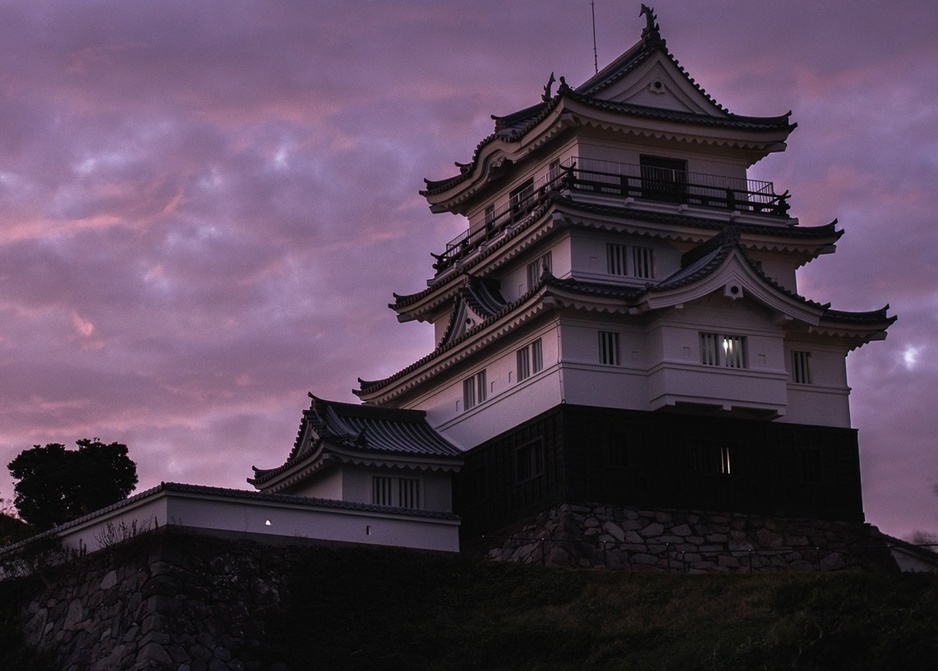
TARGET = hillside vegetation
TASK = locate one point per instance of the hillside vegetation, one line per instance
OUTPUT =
(377, 610)
(386, 609)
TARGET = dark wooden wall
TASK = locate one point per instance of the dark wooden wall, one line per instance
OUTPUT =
(659, 460)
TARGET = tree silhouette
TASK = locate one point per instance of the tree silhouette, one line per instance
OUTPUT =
(57, 485)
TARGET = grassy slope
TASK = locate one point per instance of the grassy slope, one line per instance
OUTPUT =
(361, 609)
(375, 611)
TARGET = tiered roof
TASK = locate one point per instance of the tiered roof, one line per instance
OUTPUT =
(516, 134)
(332, 433)
(704, 269)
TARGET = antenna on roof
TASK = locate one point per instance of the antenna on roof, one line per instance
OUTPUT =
(595, 56)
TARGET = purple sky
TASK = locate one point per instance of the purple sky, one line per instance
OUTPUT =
(205, 206)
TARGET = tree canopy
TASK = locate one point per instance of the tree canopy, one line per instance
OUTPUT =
(57, 485)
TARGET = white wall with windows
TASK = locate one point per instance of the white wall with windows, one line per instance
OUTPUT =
(817, 384)
(405, 488)
(621, 259)
(522, 380)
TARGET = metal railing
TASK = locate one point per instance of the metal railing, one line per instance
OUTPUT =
(620, 180)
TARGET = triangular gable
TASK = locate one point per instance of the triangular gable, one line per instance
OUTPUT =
(721, 266)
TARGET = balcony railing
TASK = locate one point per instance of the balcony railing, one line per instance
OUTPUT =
(622, 180)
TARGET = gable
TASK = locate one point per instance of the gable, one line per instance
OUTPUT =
(660, 84)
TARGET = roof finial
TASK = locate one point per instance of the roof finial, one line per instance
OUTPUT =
(547, 95)
(650, 33)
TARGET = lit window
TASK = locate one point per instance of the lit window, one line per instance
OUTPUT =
(801, 367)
(536, 268)
(530, 360)
(723, 350)
(713, 460)
(473, 390)
(609, 348)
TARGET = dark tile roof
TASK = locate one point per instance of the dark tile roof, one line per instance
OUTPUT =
(365, 430)
(696, 265)
(402, 301)
(483, 296)
(512, 127)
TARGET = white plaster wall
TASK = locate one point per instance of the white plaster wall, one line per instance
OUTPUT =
(508, 402)
(588, 257)
(435, 488)
(322, 486)
(826, 401)
(514, 283)
(236, 514)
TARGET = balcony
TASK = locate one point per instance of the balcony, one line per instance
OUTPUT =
(650, 183)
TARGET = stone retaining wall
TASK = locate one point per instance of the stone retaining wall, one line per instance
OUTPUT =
(161, 601)
(592, 535)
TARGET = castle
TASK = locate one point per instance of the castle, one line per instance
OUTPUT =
(619, 323)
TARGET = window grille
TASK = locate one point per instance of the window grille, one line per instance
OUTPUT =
(536, 268)
(524, 364)
(408, 490)
(723, 350)
(381, 491)
(473, 390)
(530, 360)
(643, 262)
(801, 367)
(609, 348)
(615, 259)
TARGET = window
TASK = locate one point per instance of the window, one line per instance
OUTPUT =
(663, 178)
(381, 488)
(489, 216)
(713, 460)
(536, 268)
(554, 172)
(609, 348)
(396, 492)
(473, 390)
(641, 261)
(801, 367)
(529, 461)
(530, 360)
(723, 350)
(615, 259)
(521, 199)
(408, 493)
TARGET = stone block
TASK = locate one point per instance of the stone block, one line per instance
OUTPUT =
(681, 530)
(614, 531)
(652, 530)
(643, 559)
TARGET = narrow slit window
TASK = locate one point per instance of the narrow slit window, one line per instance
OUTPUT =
(609, 348)
(801, 367)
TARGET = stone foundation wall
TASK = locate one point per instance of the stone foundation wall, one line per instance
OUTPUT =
(161, 601)
(613, 537)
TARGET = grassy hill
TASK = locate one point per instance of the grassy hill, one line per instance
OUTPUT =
(380, 609)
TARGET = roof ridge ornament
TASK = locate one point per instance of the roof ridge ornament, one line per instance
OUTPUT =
(547, 94)
(650, 34)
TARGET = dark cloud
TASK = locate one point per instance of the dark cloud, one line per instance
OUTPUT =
(205, 207)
